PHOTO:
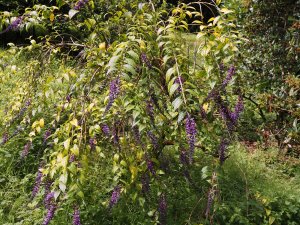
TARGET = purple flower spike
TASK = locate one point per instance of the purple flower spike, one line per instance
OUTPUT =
(114, 90)
(210, 199)
(46, 136)
(221, 67)
(228, 78)
(150, 166)
(50, 214)
(150, 110)
(48, 199)
(184, 159)
(115, 196)
(146, 60)
(162, 209)
(105, 130)
(5, 138)
(26, 150)
(222, 150)
(239, 107)
(92, 143)
(153, 139)
(76, 217)
(137, 135)
(191, 131)
(80, 4)
(37, 183)
(72, 158)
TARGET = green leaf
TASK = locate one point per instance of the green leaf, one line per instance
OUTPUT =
(271, 220)
(177, 103)
(173, 88)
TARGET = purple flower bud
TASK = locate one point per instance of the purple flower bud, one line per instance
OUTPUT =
(114, 90)
(137, 135)
(239, 107)
(150, 109)
(162, 209)
(228, 78)
(80, 4)
(46, 136)
(105, 130)
(191, 131)
(26, 149)
(222, 148)
(202, 112)
(92, 143)
(146, 60)
(153, 139)
(50, 214)
(5, 138)
(48, 199)
(76, 217)
(68, 98)
(184, 159)
(72, 158)
(179, 80)
(221, 67)
(150, 166)
(37, 183)
(115, 196)
(210, 199)
(15, 24)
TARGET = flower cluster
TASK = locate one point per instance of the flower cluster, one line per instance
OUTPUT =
(22, 111)
(92, 143)
(72, 158)
(68, 98)
(153, 98)
(150, 109)
(80, 4)
(191, 131)
(37, 183)
(162, 209)
(137, 135)
(202, 112)
(26, 149)
(150, 166)
(222, 148)
(184, 159)
(115, 196)
(76, 216)
(48, 199)
(239, 107)
(153, 139)
(229, 76)
(50, 214)
(46, 136)
(145, 60)
(14, 25)
(5, 138)
(17, 131)
(105, 129)
(114, 90)
(210, 199)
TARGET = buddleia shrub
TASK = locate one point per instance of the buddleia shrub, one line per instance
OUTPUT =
(138, 112)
